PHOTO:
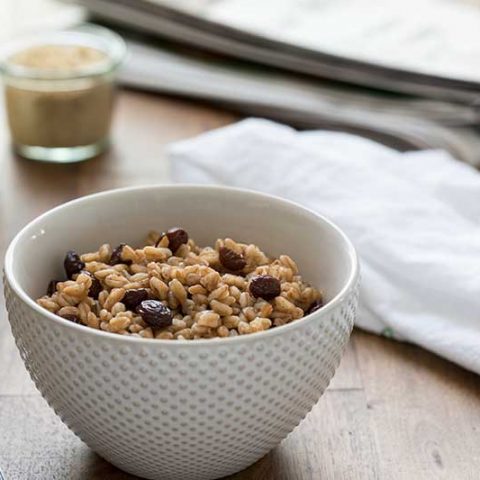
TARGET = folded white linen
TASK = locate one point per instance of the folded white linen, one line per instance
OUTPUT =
(413, 217)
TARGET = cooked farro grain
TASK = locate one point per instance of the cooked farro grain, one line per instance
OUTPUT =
(172, 289)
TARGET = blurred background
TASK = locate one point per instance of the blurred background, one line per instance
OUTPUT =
(404, 73)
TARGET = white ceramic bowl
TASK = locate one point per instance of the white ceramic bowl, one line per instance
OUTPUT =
(185, 410)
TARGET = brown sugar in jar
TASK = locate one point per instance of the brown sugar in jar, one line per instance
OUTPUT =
(60, 94)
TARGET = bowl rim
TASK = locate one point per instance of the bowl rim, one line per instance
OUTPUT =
(14, 285)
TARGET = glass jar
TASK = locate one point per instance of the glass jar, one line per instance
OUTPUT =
(59, 92)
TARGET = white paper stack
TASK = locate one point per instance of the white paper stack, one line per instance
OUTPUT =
(422, 71)
(422, 47)
(402, 122)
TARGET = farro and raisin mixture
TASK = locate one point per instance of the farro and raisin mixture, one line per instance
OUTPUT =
(173, 289)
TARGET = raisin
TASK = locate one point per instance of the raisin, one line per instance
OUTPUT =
(155, 313)
(176, 237)
(116, 257)
(52, 287)
(133, 298)
(231, 260)
(95, 287)
(316, 305)
(73, 264)
(71, 317)
(265, 286)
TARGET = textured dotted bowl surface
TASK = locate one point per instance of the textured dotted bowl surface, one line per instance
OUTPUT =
(184, 410)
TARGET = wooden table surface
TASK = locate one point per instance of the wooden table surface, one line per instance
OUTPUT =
(393, 411)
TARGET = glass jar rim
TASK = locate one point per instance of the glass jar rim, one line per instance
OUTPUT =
(87, 35)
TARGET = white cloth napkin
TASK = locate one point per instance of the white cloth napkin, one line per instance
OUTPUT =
(413, 217)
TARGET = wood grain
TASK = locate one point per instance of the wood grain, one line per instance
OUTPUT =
(393, 411)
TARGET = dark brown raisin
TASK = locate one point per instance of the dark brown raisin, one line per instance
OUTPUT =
(52, 287)
(155, 313)
(265, 286)
(176, 237)
(133, 298)
(95, 287)
(316, 305)
(116, 257)
(71, 317)
(72, 264)
(231, 260)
